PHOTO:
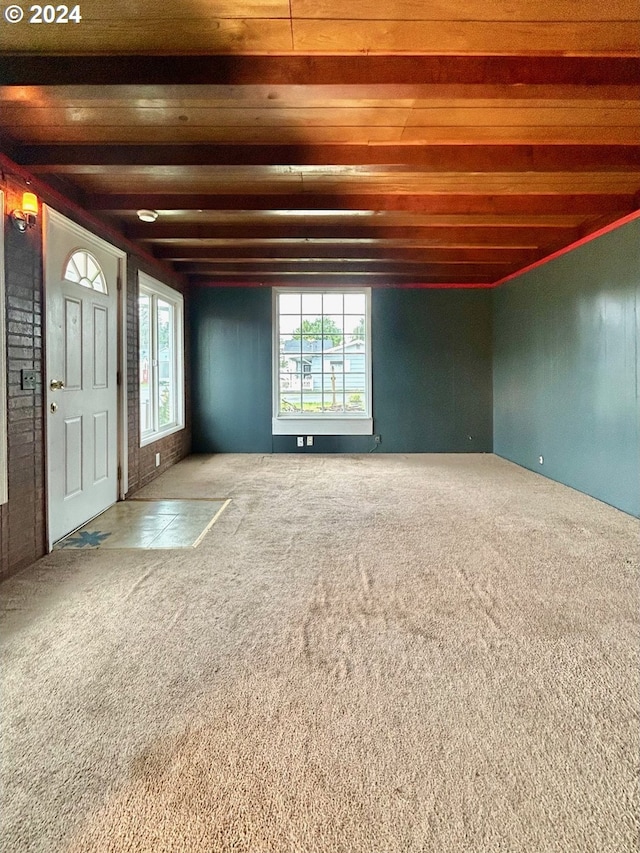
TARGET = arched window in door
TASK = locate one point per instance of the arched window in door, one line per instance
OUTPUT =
(85, 270)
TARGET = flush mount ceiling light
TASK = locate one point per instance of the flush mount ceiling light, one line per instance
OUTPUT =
(147, 215)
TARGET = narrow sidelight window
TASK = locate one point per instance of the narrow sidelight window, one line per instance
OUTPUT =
(161, 369)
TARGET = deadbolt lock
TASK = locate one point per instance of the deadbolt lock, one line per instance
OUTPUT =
(54, 408)
(56, 385)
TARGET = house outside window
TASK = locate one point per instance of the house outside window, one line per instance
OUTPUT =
(161, 367)
(322, 362)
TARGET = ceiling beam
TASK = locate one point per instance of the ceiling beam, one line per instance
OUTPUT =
(343, 267)
(435, 158)
(319, 93)
(340, 279)
(451, 234)
(512, 204)
(326, 252)
(308, 70)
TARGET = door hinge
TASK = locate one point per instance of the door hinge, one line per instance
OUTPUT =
(119, 473)
(118, 378)
(119, 283)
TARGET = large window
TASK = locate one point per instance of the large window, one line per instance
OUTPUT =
(322, 362)
(160, 338)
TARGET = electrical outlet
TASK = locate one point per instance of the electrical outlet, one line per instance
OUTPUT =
(377, 439)
(28, 380)
(309, 441)
(300, 441)
(157, 459)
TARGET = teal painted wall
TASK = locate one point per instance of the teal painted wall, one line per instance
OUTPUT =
(431, 351)
(431, 355)
(231, 370)
(566, 368)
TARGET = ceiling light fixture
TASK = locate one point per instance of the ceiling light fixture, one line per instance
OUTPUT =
(147, 215)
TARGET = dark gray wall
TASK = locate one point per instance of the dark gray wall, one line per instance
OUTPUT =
(431, 354)
(566, 368)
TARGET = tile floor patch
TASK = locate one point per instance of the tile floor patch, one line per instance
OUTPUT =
(148, 524)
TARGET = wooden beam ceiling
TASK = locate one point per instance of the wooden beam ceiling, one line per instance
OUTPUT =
(305, 142)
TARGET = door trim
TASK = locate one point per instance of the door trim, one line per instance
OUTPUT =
(50, 215)
(123, 366)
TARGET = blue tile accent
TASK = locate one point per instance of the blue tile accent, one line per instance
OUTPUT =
(84, 539)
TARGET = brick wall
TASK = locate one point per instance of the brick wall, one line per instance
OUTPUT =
(23, 517)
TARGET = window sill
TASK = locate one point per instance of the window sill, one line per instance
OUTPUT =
(322, 426)
(149, 439)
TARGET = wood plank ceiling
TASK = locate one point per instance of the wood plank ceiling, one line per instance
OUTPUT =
(314, 142)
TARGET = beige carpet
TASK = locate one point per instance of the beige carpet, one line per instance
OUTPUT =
(368, 654)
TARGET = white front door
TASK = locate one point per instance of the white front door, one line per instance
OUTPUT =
(81, 292)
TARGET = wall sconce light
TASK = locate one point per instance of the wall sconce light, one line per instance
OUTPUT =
(27, 216)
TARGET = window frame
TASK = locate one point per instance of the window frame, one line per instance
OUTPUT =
(156, 290)
(90, 283)
(347, 423)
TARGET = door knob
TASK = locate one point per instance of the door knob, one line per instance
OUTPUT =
(56, 385)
